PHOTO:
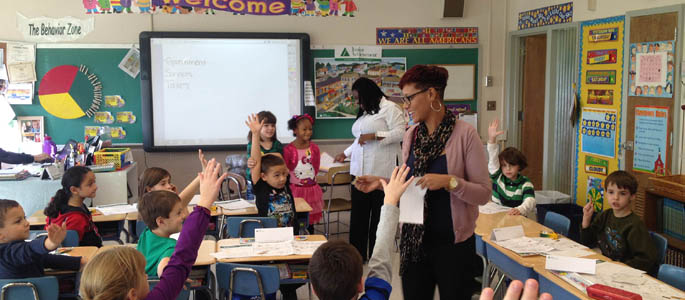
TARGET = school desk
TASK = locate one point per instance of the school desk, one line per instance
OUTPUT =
(131, 219)
(33, 194)
(254, 259)
(109, 227)
(87, 252)
(508, 262)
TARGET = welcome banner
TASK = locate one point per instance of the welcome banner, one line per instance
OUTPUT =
(251, 7)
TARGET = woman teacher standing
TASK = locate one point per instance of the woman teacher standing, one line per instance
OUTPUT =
(448, 157)
(378, 132)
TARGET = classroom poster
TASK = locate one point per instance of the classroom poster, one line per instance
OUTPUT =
(426, 35)
(600, 90)
(651, 69)
(322, 8)
(555, 14)
(334, 79)
(44, 29)
(458, 108)
(651, 136)
(598, 131)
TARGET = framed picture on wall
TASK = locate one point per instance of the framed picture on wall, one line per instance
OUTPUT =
(32, 129)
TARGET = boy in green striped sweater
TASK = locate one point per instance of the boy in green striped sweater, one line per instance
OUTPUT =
(509, 188)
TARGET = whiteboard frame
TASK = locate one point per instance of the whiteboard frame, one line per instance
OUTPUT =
(451, 82)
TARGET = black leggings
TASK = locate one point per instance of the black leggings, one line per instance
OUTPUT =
(364, 217)
(449, 266)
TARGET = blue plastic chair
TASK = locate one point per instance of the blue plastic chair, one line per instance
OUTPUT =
(140, 227)
(183, 295)
(557, 222)
(661, 246)
(71, 240)
(244, 226)
(672, 275)
(238, 281)
(43, 288)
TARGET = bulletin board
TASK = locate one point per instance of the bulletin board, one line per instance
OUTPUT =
(102, 62)
(341, 128)
(599, 125)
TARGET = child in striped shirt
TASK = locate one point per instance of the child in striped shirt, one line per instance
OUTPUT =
(509, 188)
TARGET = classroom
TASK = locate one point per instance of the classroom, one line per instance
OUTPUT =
(565, 134)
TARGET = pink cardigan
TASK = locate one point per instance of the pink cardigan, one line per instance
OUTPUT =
(466, 160)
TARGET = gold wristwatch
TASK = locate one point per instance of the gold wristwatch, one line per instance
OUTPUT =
(453, 183)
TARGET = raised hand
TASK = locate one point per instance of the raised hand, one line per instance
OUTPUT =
(254, 124)
(56, 235)
(493, 132)
(397, 185)
(588, 210)
(210, 183)
(201, 156)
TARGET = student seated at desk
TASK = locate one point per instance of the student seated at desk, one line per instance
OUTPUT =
(119, 273)
(336, 266)
(273, 196)
(509, 187)
(620, 233)
(21, 259)
(164, 213)
(158, 179)
(78, 183)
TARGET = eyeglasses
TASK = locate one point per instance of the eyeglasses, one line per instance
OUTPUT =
(407, 99)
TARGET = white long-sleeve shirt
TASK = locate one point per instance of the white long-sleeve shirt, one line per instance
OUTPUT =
(375, 157)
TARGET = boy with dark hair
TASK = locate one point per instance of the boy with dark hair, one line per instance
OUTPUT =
(163, 212)
(618, 232)
(21, 259)
(336, 267)
(509, 187)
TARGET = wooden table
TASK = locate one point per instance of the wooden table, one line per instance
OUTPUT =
(87, 252)
(253, 259)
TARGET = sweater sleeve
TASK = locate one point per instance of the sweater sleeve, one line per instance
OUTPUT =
(380, 264)
(174, 275)
(62, 262)
(493, 161)
(290, 156)
(15, 158)
(643, 253)
(476, 186)
(588, 236)
(316, 158)
(24, 253)
(527, 208)
(394, 119)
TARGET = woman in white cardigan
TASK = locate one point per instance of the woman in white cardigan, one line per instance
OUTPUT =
(378, 131)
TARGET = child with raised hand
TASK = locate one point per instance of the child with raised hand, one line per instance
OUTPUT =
(336, 266)
(78, 183)
(303, 158)
(268, 143)
(509, 187)
(21, 259)
(119, 273)
(618, 232)
(158, 179)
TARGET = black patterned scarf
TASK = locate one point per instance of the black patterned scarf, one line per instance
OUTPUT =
(426, 149)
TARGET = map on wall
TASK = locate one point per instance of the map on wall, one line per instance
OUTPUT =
(334, 81)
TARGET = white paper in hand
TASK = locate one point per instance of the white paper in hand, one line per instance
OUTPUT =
(411, 204)
(327, 161)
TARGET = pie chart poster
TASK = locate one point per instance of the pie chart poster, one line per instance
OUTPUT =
(101, 62)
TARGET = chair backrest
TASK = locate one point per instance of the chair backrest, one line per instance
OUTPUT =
(43, 288)
(248, 280)
(661, 245)
(234, 182)
(183, 295)
(245, 226)
(71, 240)
(140, 227)
(559, 223)
(672, 275)
(339, 175)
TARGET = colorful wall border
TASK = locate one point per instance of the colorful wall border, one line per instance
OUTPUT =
(590, 183)
(555, 14)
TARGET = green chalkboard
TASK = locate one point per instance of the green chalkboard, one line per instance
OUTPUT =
(103, 63)
(340, 128)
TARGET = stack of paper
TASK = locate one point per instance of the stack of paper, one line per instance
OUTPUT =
(327, 162)
(492, 208)
(118, 209)
(235, 204)
(237, 250)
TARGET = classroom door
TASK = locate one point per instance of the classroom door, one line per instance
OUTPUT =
(639, 159)
(532, 115)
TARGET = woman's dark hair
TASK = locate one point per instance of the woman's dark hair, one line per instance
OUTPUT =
(424, 76)
(369, 96)
(150, 178)
(268, 118)
(72, 177)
